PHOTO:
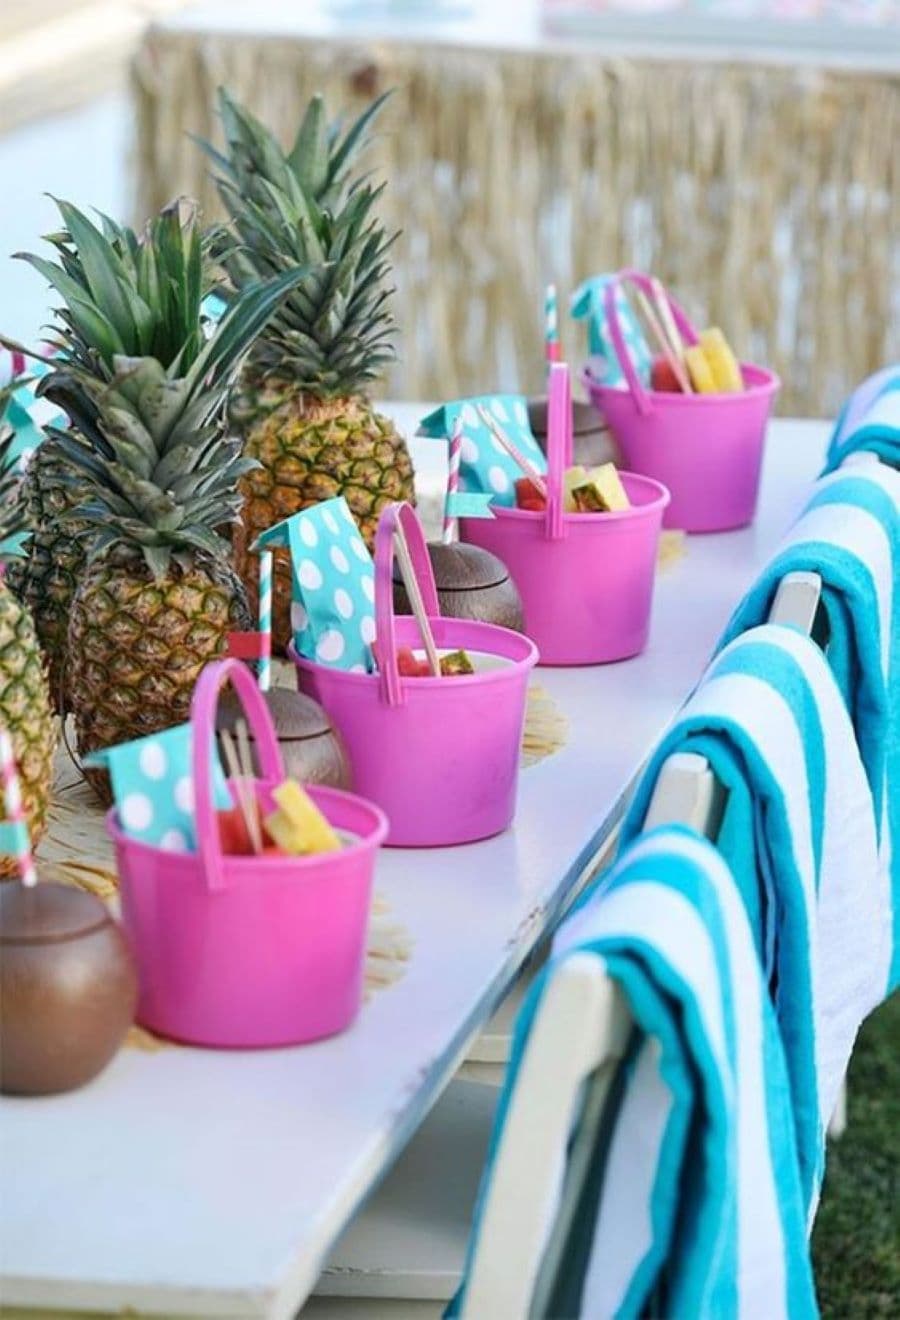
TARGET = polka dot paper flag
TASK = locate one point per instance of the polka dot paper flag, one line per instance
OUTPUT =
(485, 466)
(153, 787)
(587, 304)
(333, 605)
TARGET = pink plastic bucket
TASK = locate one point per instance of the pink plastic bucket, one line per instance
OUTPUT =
(706, 448)
(248, 951)
(586, 579)
(439, 755)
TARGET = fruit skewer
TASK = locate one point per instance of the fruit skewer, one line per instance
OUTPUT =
(515, 454)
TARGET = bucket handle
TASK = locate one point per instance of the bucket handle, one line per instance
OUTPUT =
(203, 729)
(559, 446)
(643, 282)
(395, 516)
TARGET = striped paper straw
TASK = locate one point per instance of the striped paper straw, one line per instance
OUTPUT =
(551, 325)
(515, 454)
(456, 440)
(265, 620)
(15, 812)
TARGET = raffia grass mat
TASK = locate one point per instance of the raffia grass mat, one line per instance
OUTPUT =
(76, 850)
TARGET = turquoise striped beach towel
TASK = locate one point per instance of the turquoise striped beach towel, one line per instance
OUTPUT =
(691, 1207)
(849, 533)
(869, 420)
(798, 834)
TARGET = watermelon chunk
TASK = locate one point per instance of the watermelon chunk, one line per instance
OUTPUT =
(407, 664)
(663, 378)
(528, 496)
(233, 835)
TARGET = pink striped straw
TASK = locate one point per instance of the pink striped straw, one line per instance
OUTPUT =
(515, 454)
(15, 812)
(456, 440)
(551, 326)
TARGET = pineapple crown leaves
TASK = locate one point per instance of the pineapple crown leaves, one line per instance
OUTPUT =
(146, 438)
(303, 207)
(125, 294)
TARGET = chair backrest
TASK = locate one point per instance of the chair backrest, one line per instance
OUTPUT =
(580, 1031)
(686, 790)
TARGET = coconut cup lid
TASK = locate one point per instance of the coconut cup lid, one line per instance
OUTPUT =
(47, 913)
(294, 714)
(585, 417)
(462, 567)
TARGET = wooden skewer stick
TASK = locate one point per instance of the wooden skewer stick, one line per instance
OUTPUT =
(515, 454)
(411, 582)
(234, 774)
(662, 343)
(234, 771)
(245, 758)
(661, 302)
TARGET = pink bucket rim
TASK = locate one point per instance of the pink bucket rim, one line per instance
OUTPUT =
(767, 384)
(527, 660)
(636, 512)
(372, 839)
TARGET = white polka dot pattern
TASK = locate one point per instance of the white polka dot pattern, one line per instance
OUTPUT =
(485, 466)
(136, 811)
(152, 760)
(588, 303)
(330, 646)
(333, 583)
(153, 786)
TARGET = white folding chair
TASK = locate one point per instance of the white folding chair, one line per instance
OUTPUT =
(580, 1031)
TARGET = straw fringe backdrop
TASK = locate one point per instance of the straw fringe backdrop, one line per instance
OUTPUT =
(766, 196)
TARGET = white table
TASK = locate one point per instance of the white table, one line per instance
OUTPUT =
(213, 1183)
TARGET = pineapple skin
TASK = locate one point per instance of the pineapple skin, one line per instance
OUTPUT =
(310, 449)
(47, 576)
(137, 646)
(26, 713)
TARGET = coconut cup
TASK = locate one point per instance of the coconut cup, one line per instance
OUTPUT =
(592, 441)
(471, 584)
(68, 988)
(312, 750)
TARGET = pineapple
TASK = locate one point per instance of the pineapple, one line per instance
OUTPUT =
(157, 479)
(46, 575)
(24, 696)
(300, 404)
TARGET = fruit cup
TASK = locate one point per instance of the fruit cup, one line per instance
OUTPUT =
(439, 755)
(586, 579)
(248, 951)
(705, 448)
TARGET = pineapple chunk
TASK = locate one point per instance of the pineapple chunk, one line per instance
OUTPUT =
(456, 662)
(722, 362)
(603, 492)
(699, 370)
(298, 825)
(575, 476)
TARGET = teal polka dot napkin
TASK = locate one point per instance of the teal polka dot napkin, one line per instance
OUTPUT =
(588, 304)
(153, 787)
(485, 467)
(333, 597)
